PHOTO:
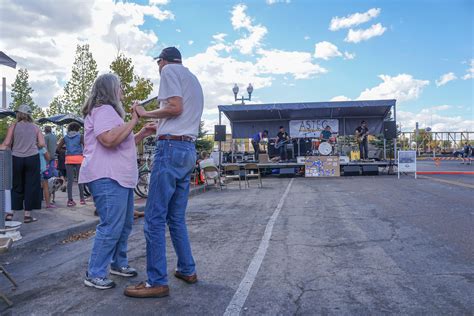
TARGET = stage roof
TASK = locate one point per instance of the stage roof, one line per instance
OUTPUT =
(295, 111)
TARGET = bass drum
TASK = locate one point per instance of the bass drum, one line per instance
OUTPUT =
(325, 149)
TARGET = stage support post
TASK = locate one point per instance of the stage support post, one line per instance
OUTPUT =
(220, 144)
(396, 136)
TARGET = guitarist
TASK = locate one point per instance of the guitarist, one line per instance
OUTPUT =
(361, 133)
(282, 139)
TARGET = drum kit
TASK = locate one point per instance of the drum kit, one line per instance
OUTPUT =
(324, 148)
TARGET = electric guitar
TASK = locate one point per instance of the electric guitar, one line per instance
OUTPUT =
(281, 143)
(360, 137)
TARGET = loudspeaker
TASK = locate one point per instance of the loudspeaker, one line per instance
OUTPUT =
(370, 170)
(390, 129)
(219, 133)
(351, 170)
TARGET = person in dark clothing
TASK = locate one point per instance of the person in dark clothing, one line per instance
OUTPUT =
(256, 141)
(282, 138)
(61, 152)
(326, 134)
(467, 153)
(362, 133)
(24, 138)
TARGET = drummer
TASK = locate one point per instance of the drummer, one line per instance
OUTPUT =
(326, 134)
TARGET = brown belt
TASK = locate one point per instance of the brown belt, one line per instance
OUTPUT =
(176, 137)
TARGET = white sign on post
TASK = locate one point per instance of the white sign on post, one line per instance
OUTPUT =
(406, 161)
(312, 128)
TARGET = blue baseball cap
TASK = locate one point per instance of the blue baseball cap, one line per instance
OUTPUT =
(171, 54)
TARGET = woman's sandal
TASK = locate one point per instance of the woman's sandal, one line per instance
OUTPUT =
(29, 219)
(8, 217)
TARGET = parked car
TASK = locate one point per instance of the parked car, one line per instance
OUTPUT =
(458, 153)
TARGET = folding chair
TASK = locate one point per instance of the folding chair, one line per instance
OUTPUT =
(252, 171)
(208, 174)
(5, 244)
(232, 168)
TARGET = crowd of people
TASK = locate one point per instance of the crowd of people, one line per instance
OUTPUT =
(39, 158)
(104, 158)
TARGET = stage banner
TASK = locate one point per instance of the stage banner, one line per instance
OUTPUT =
(406, 161)
(312, 128)
(322, 166)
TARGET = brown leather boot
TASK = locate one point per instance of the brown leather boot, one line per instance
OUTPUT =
(141, 290)
(186, 278)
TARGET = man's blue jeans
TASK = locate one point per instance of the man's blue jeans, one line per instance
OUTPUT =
(114, 205)
(166, 204)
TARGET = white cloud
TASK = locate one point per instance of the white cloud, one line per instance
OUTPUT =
(356, 36)
(326, 50)
(437, 122)
(158, 2)
(190, 42)
(220, 37)
(43, 39)
(277, 1)
(402, 87)
(349, 55)
(340, 98)
(280, 62)
(437, 108)
(218, 77)
(240, 20)
(178, 30)
(470, 71)
(338, 23)
(306, 38)
(444, 79)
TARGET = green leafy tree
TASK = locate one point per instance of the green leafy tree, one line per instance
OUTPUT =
(21, 94)
(201, 142)
(57, 106)
(134, 87)
(84, 73)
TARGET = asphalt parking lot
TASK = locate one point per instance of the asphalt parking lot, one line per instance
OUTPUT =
(349, 245)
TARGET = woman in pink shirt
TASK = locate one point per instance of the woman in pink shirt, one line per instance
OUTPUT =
(110, 170)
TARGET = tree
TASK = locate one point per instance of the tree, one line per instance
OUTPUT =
(134, 87)
(57, 106)
(21, 94)
(202, 143)
(84, 73)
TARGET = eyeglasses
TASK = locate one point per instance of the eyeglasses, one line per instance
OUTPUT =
(158, 61)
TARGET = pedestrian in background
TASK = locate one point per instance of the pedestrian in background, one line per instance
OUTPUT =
(24, 138)
(74, 142)
(110, 170)
(51, 144)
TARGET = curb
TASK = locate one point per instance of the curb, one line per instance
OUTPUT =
(49, 240)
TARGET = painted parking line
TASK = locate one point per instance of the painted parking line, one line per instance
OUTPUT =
(446, 172)
(240, 296)
(462, 184)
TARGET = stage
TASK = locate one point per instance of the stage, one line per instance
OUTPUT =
(349, 168)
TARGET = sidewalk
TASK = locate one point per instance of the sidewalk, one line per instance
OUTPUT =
(56, 225)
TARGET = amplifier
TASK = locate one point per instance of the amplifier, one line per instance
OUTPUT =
(351, 170)
(370, 170)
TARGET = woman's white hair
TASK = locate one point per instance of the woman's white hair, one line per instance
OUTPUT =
(104, 91)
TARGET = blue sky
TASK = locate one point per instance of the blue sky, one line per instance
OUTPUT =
(419, 52)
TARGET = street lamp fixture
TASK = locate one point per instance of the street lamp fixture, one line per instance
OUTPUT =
(235, 90)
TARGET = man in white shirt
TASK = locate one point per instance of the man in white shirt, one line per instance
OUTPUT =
(178, 117)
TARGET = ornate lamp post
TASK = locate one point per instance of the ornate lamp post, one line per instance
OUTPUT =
(235, 90)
